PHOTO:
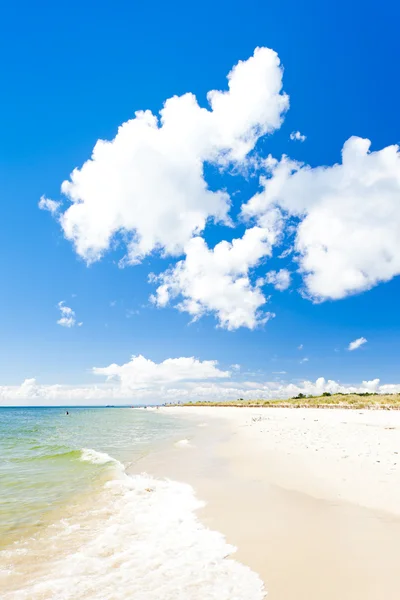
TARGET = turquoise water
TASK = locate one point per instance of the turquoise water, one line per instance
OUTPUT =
(41, 460)
(75, 524)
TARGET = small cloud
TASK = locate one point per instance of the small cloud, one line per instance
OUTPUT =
(235, 367)
(296, 135)
(67, 318)
(286, 253)
(300, 347)
(304, 360)
(356, 343)
(113, 303)
(131, 312)
(279, 372)
(51, 205)
(279, 279)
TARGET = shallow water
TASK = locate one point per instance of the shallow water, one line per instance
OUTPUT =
(44, 462)
(74, 525)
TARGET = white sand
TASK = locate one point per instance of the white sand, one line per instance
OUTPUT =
(328, 453)
(311, 497)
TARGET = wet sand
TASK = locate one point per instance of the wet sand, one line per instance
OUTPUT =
(311, 498)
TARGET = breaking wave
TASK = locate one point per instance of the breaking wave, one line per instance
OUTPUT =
(140, 539)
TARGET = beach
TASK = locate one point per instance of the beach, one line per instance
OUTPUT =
(200, 503)
(81, 520)
(310, 497)
(199, 317)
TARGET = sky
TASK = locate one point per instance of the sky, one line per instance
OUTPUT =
(199, 201)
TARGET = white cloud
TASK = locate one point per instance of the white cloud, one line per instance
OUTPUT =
(279, 279)
(51, 205)
(348, 236)
(304, 360)
(173, 380)
(141, 373)
(235, 367)
(357, 343)
(296, 135)
(148, 182)
(217, 280)
(147, 186)
(286, 253)
(68, 317)
(300, 347)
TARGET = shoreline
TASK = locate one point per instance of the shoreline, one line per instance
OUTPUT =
(133, 535)
(372, 407)
(355, 401)
(311, 499)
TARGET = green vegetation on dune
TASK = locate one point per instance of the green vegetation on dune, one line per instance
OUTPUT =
(364, 400)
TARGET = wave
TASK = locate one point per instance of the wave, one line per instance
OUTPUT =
(97, 458)
(43, 457)
(141, 540)
(85, 455)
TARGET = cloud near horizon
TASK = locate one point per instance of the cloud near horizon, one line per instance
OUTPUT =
(141, 372)
(173, 380)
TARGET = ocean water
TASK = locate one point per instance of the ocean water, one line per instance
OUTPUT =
(75, 525)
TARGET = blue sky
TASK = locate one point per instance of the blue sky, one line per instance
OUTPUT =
(74, 73)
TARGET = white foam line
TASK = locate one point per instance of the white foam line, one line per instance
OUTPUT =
(97, 458)
(146, 544)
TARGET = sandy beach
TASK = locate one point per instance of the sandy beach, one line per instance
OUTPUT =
(311, 498)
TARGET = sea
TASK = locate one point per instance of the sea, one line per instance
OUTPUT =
(80, 521)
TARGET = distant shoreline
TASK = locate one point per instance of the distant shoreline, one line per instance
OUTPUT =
(339, 401)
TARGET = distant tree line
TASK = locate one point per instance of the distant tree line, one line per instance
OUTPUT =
(303, 396)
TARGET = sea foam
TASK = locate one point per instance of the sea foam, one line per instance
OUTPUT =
(144, 543)
(97, 458)
(183, 444)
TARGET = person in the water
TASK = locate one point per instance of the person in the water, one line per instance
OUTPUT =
(66, 412)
